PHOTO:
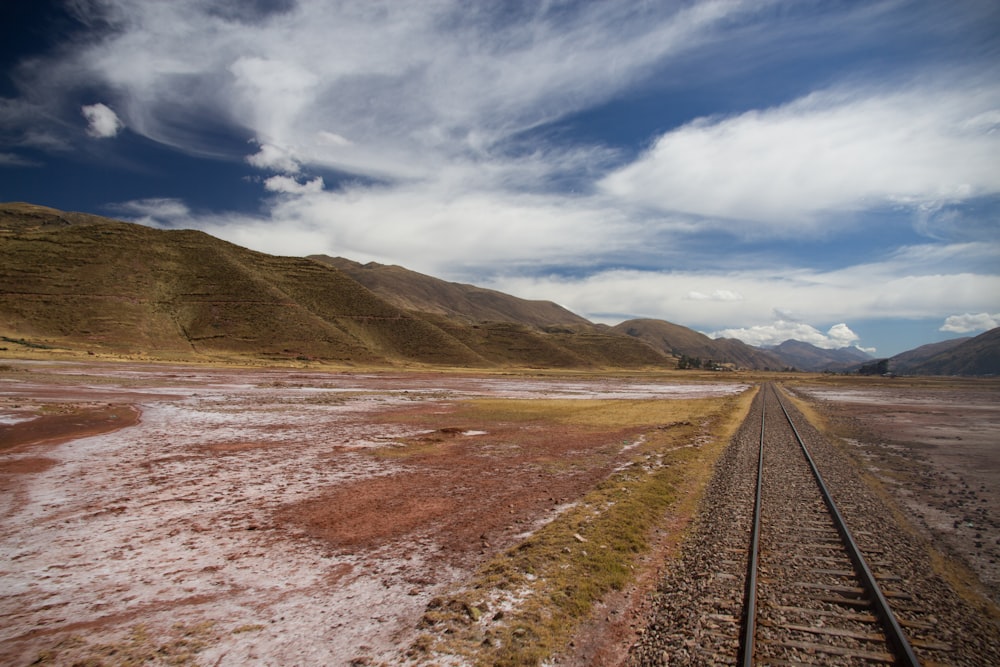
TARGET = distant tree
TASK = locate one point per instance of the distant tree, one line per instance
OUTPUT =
(877, 367)
(687, 362)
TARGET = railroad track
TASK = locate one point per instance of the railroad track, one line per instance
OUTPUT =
(810, 595)
(790, 591)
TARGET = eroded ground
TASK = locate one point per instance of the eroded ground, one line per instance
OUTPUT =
(271, 517)
(936, 445)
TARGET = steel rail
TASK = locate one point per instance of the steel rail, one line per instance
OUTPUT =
(750, 592)
(894, 632)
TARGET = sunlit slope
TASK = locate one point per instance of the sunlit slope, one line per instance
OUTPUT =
(678, 340)
(417, 291)
(82, 282)
(125, 287)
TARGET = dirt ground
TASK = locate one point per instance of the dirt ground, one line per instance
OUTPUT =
(227, 517)
(935, 444)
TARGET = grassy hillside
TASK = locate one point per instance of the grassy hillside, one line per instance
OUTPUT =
(86, 281)
(81, 282)
(467, 303)
(968, 356)
(677, 340)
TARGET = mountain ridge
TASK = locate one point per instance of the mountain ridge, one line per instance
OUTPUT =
(89, 283)
(808, 357)
(84, 282)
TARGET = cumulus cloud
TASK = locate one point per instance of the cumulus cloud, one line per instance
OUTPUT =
(440, 228)
(835, 151)
(102, 121)
(775, 333)
(968, 323)
(274, 158)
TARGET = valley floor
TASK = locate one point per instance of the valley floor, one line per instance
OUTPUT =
(196, 515)
(187, 514)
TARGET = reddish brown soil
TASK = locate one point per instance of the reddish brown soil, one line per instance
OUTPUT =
(455, 492)
(72, 423)
(264, 516)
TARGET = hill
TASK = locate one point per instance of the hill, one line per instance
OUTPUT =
(808, 357)
(677, 340)
(466, 303)
(962, 356)
(82, 282)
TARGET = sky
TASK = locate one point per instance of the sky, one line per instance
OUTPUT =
(770, 169)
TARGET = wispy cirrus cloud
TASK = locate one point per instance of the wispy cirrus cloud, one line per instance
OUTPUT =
(15, 160)
(398, 84)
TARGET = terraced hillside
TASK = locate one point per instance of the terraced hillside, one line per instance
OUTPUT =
(80, 282)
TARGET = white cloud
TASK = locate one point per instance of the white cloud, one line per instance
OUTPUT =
(274, 158)
(103, 123)
(155, 212)
(289, 185)
(775, 333)
(716, 295)
(440, 229)
(914, 283)
(381, 88)
(837, 151)
(968, 323)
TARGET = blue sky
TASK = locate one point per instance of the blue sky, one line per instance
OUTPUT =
(826, 171)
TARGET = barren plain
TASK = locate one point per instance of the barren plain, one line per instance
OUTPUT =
(182, 514)
(934, 443)
(189, 515)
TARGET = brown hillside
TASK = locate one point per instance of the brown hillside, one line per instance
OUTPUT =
(971, 356)
(677, 340)
(81, 282)
(416, 291)
(84, 281)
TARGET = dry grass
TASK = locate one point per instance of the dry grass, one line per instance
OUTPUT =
(179, 646)
(524, 604)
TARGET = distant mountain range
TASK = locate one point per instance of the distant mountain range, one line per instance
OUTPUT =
(808, 357)
(85, 283)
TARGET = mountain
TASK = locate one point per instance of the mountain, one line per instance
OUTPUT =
(82, 282)
(808, 357)
(410, 290)
(962, 356)
(905, 361)
(677, 340)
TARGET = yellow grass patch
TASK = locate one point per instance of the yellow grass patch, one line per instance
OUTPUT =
(525, 604)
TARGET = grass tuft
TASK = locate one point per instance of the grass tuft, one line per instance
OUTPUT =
(525, 603)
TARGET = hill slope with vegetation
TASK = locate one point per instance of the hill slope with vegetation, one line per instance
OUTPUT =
(411, 290)
(81, 282)
(686, 343)
(963, 356)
